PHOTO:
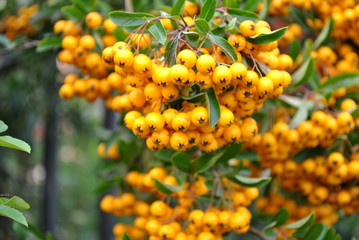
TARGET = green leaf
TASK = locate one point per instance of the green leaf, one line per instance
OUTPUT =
(251, 5)
(15, 202)
(177, 8)
(126, 237)
(294, 49)
(13, 213)
(307, 50)
(202, 25)
(303, 73)
(242, 15)
(208, 10)
(48, 44)
(166, 188)
(300, 18)
(170, 52)
(317, 232)
(225, 47)
(3, 126)
(338, 78)
(314, 81)
(264, 11)
(182, 161)
(231, 3)
(203, 162)
(302, 223)
(159, 32)
(330, 235)
(339, 81)
(324, 35)
(269, 37)
(74, 13)
(248, 181)
(301, 114)
(119, 34)
(128, 149)
(355, 113)
(86, 5)
(213, 107)
(10, 142)
(278, 220)
(127, 19)
(230, 151)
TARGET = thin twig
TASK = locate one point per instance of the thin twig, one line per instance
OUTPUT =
(258, 233)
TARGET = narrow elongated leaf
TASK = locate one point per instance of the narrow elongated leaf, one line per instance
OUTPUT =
(166, 188)
(317, 232)
(85, 5)
(330, 235)
(177, 8)
(324, 35)
(209, 8)
(339, 81)
(251, 5)
(12, 213)
(213, 107)
(225, 47)
(242, 14)
(307, 50)
(248, 181)
(269, 37)
(231, 3)
(15, 202)
(314, 81)
(182, 161)
(303, 73)
(301, 114)
(294, 49)
(338, 78)
(3, 126)
(48, 44)
(304, 222)
(230, 151)
(10, 142)
(202, 25)
(264, 11)
(159, 32)
(73, 12)
(127, 19)
(126, 237)
(278, 220)
(204, 162)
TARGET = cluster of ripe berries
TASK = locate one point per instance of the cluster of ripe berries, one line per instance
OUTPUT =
(178, 220)
(277, 147)
(151, 87)
(79, 48)
(319, 179)
(15, 25)
(345, 14)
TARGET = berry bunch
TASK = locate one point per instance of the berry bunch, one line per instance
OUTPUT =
(178, 220)
(15, 25)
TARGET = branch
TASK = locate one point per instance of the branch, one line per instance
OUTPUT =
(258, 233)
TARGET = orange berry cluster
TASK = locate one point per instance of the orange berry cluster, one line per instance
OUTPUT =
(16, 25)
(345, 14)
(79, 48)
(161, 221)
(324, 213)
(110, 152)
(277, 147)
(294, 32)
(151, 86)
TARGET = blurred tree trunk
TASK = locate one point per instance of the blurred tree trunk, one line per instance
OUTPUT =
(50, 159)
(107, 220)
